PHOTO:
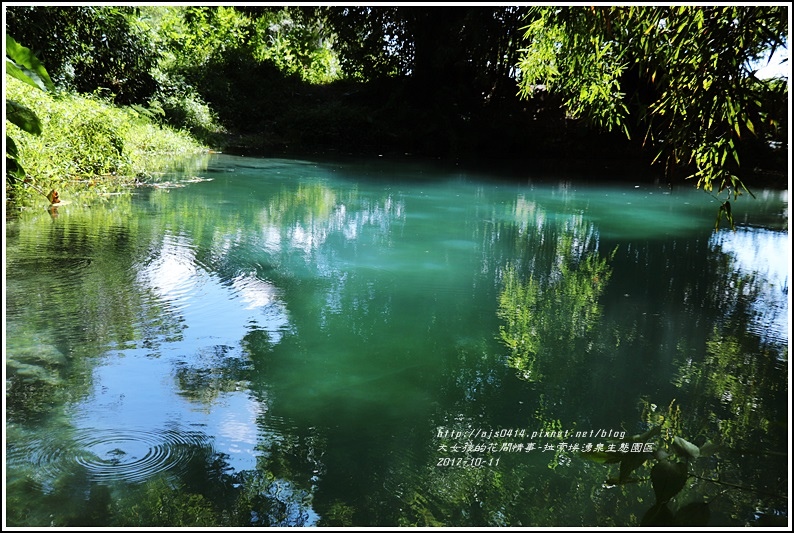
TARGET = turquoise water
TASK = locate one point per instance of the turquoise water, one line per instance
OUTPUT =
(382, 343)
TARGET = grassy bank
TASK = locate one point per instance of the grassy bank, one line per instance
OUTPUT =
(88, 147)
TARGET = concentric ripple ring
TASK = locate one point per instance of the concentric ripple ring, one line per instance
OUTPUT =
(110, 455)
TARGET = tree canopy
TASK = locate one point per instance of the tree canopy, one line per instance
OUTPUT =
(682, 77)
(518, 81)
(86, 48)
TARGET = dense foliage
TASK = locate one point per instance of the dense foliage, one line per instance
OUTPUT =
(25, 67)
(681, 77)
(479, 80)
(87, 146)
(484, 81)
(89, 48)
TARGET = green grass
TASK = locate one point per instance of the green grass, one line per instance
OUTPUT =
(88, 146)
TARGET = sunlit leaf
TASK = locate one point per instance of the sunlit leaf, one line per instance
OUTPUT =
(683, 446)
(31, 78)
(25, 66)
(750, 126)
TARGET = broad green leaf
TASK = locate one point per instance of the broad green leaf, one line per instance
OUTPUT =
(31, 78)
(24, 64)
(692, 514)
(683, 446)
(22, 117)
(668, 479)
(11, 147)
(14, 170)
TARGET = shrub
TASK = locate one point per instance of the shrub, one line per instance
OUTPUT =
(87, 142)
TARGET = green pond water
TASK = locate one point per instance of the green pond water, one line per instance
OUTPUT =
(277, 342)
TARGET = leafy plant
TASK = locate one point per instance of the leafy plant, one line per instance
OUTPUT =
(668, 475)
(681, 78)
(90, 147)
(23, 65)
(673, 462)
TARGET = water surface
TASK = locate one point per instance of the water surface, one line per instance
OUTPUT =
(380, 343)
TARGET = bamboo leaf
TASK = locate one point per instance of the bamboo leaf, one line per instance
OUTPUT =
(750, 126)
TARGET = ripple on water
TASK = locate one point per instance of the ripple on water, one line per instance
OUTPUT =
(109, 455)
